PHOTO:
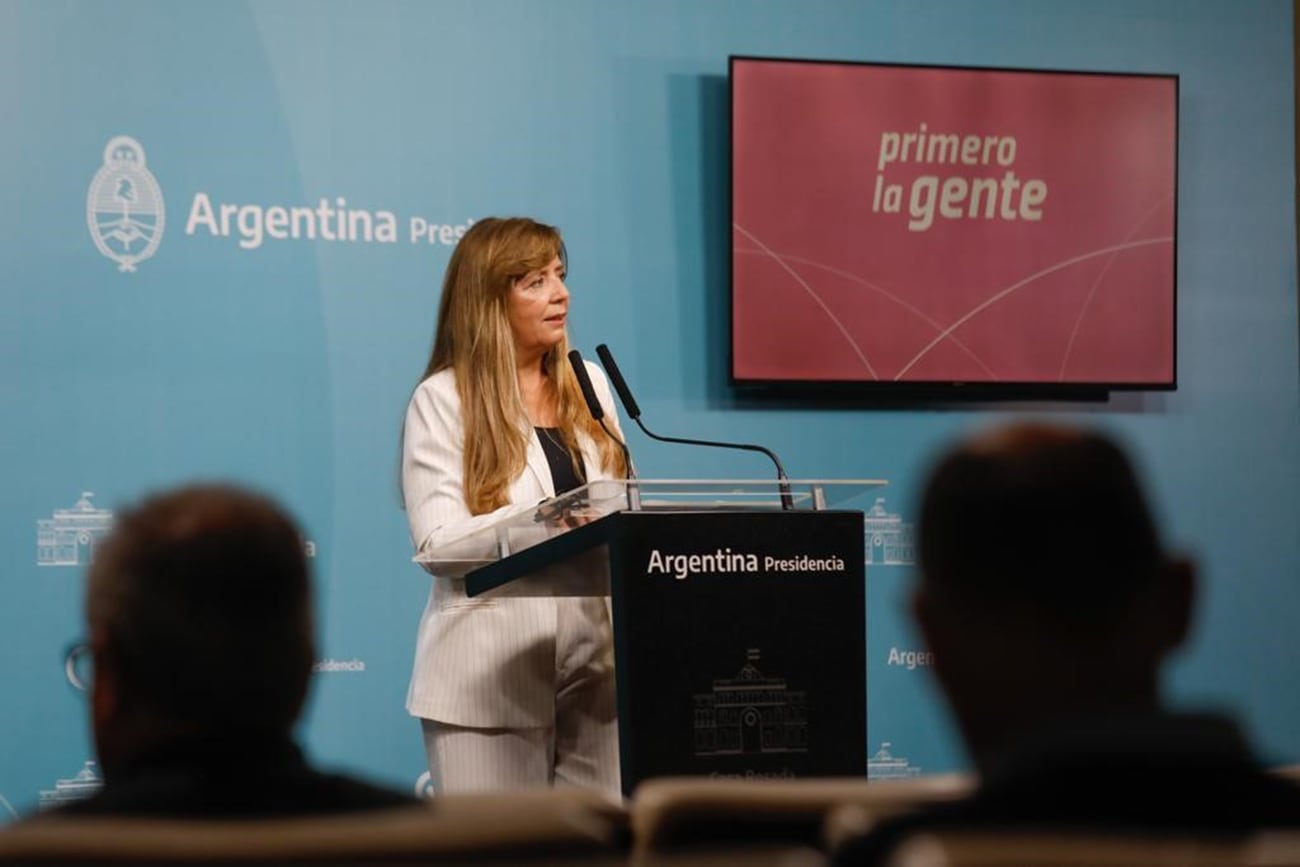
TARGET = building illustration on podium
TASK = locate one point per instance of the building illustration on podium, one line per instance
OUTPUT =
(86, 783)
(890, 540)
(884, 765)
(750, 713)
(69, 536)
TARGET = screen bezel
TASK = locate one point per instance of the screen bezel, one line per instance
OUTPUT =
(935, 389)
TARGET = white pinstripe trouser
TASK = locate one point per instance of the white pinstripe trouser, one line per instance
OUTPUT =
(581, 749)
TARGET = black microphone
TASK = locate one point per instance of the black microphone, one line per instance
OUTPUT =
(593, 404)
(634, 412)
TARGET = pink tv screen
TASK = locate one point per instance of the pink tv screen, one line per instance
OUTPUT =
(910, 226)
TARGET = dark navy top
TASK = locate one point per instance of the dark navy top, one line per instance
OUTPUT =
(565, 467)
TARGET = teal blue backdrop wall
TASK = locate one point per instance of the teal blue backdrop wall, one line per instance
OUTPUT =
(236, 351)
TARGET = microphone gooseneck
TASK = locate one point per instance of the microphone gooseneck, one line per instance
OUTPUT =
(593, 405)
(584, 382)
(634, 412)
(620, 385)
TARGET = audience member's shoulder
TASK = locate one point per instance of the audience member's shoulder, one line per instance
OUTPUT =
(305, 794)
(340, 793)
(1283, 797)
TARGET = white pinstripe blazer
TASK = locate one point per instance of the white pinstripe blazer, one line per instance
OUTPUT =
(478, 662)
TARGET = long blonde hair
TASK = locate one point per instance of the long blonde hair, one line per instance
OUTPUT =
(474, 339)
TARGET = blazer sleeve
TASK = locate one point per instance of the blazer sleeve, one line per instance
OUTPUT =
(433, 480)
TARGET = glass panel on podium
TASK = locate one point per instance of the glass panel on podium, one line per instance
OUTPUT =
(575, 525)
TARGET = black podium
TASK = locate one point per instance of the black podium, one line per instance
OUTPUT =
(739, 625)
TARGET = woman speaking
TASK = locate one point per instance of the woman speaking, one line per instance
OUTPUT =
(510, 692)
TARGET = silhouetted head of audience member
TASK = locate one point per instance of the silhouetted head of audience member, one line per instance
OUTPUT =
(199, 611)
(1045, 593)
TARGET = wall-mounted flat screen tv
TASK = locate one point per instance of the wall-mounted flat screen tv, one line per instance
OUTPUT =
(906, 227)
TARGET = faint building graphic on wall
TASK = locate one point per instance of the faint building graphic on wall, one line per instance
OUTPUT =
(86, 783)
(69, 536)
(750, 713)
(884, 765)
(7, 809)
(890, 541)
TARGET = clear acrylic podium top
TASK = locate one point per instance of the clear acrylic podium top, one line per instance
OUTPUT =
(524, 528)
